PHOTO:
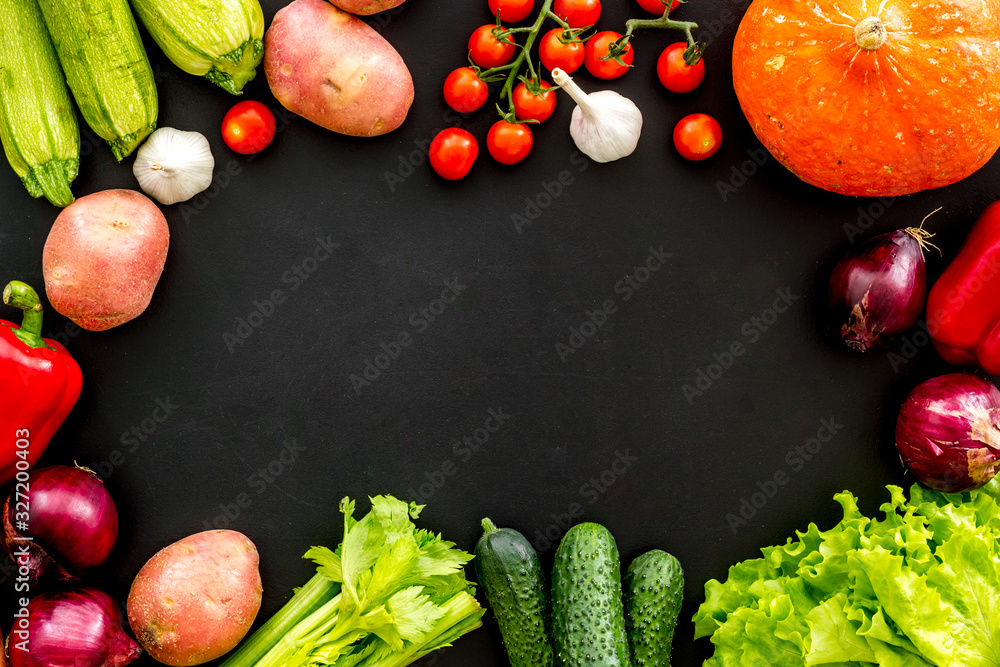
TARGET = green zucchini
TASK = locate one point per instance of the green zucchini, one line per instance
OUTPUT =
(106, 68)
(37, 122)
(654, 591)
(588, 617)
(221, 40)
(510, 573)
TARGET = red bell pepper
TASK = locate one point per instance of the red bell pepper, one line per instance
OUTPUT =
(39, 384)
(963, 308)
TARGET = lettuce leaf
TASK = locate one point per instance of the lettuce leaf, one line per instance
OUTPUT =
(918, 587)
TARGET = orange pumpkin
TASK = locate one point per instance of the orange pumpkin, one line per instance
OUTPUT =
(872, 97)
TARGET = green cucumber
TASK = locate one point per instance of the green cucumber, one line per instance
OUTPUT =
(654, 590)
(588, 617)
(510, 573)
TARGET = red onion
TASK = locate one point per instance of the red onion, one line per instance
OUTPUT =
(878, 289)
(71, 518)
(81, 628)
(948, 432)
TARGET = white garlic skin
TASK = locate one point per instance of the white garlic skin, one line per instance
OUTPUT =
(605, 125)
(173, 165)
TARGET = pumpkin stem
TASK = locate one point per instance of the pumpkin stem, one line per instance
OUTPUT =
(870, 33)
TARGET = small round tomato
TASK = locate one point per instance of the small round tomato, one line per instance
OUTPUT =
(248, 127)
(658, 6)
(487, 50)
(567, 56)
(511, 11)
(578, 13)
(509, 142)
(597, 48)
(675, 74)
(529, 106)
(453, 152)
(697, 136)
(464, 91)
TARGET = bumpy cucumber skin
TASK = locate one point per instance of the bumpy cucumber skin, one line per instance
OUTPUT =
(588, 616)
(654, 591)
(512, 577)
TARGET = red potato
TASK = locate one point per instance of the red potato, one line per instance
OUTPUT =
(333, 69)
(196, 599)
(366, 7)
(103, 258)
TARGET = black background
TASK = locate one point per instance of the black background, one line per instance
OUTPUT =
(696, 461)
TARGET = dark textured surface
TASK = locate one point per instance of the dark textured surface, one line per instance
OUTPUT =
(270, 431)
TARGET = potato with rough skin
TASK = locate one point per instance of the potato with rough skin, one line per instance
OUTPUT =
(333, 69)
(366, 7)
(196, 599)
(103, 258)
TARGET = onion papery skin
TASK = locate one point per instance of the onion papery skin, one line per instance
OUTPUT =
(879, 289)
(72, 521)
(948, 432)
(81, 628)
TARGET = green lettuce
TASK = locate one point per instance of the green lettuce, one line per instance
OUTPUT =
(918, 587)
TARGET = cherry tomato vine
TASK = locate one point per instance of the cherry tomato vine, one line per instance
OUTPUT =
(496, 54)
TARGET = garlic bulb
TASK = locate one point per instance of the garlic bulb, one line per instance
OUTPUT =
(605, 125)
(173, 166)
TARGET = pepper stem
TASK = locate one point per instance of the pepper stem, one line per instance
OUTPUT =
(22, 296)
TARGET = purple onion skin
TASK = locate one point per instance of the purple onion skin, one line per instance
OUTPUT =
(948, 432)
(81, 628)
(72, 520)
(878, 290)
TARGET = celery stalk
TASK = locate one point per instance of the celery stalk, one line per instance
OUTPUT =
(400, 594)
(317, 592)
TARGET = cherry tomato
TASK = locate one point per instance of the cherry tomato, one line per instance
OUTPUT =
(675, 74)
(578, 13)
(697, 136)
(487, 50)
(567, 56)
(658, 6)
(464, 91)
(529, 106)
(509, 142)
(248, 127)
(512, 11)
(597, 48)
(453, 152)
